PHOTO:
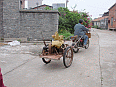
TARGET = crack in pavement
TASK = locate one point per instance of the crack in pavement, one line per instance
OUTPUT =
(99, 60)
(18, 66)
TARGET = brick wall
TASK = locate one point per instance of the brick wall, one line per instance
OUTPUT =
(112, 13)
(11, 18)
(1, 19)
(32, 22)
(28, 23)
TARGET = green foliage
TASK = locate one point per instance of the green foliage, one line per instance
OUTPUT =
(66, 34)
(101, 78)
(95, 27)
(19, 40)
(2, 38)
(28, 40)
(47, 8)
(68, 19)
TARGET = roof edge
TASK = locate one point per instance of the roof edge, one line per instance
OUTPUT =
(42, 5)
(100, 18)
(112, 6)
(38, 11)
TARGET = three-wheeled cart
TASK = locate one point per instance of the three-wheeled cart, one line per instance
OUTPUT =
(56, 50)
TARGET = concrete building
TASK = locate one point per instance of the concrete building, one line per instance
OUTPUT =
(34, 3)
(57, 5)
(42, 7)
(108, 20)
(112, 17)
(27, 4)
(101, 22)
(106, 14)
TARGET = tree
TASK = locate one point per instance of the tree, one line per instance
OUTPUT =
(68, 19)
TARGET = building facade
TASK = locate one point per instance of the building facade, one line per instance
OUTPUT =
(34, 3)
(27, 4)
(57, 5)
(101, 22)
(42, 7)
(112, 17)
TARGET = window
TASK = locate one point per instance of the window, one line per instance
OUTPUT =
(112, 21)
(21, 2)
(108, 21)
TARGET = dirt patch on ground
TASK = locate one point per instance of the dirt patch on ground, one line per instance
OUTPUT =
(1, 44)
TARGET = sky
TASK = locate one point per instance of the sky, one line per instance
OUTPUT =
(95, 7)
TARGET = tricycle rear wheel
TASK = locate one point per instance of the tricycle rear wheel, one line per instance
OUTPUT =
(45, 60)
(68, 57)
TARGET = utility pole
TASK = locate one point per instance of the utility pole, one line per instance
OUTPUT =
(66, 3)
(37, 4)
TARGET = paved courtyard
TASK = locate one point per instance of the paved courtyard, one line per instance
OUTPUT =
(92, 67)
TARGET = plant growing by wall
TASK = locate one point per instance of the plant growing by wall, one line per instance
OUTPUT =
(47, 8)
(68, 19)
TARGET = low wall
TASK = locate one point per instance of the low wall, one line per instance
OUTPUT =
(33, 22)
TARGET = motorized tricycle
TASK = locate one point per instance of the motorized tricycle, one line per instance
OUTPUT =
(78, 42)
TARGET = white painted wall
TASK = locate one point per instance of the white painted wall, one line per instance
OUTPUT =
(26, 4)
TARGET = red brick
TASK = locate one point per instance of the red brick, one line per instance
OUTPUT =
(112, 13)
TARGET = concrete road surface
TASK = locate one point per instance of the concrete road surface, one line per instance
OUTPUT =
(92, 67)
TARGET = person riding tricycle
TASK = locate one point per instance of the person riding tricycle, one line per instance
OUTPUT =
(80, 38)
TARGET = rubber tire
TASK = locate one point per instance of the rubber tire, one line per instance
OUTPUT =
(86, 47)
(46, 61)
(75, 51)
(65, 56)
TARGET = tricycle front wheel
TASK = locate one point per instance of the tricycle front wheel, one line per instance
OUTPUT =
(75, 48)
(87, 45)
(68, 57)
